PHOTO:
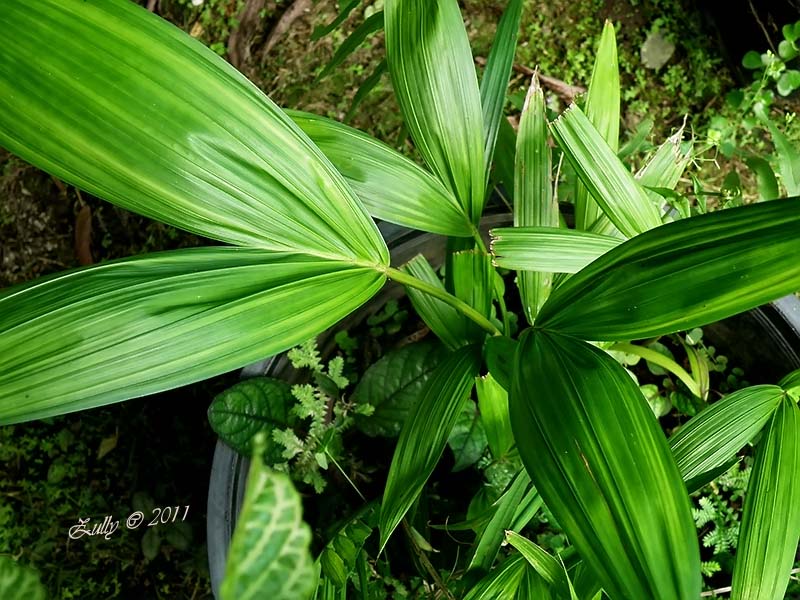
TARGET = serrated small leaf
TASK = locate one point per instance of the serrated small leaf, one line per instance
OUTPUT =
(393, 384)
(468, 438)
(151, 543)
(269, 555)
(19, 582)
(179, 535)
(248, 407)
(338, 558)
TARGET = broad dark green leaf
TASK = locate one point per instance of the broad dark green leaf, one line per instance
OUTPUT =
(534, 203)
(496, 75)
(491, 536)
(338, 558)
(143, 115)
(250, 406)
(468, 438)
(503, 583)
(493, 404)
(19, 582)
(498, 352)
(504, 157)
(269, 556)
(425, 433)
(602, 110)
(613, 187)
(137, 326)
(713, 437)
(446, 322)
(367, 27)
(550, 249)
(682, 275)
(599, 460)
(390, 186)
(770, 527)
(434, 80)
(393, 384)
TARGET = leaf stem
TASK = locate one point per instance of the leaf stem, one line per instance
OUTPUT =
(662, 361)
(461, 306)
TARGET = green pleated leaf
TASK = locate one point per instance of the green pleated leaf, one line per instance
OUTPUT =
(722, 263)
(450, 326)
(390, 186)
(666, 166)
(367, 27)
(269, 556)
(434, 80)
(597, 456)
(613, 187)
(542, 561)
(548, 248)
(392, 385)
(791, 383)
(143, 115)
(491, 536)
(493, 404)
(602, 109)
(243, 410)
(770, 527)
(502, 583)
(424, 435)
(534, 203)
(137, 326)
(496, 76)
(788, 160)
(712, 438)
(18, 582)
(472, 279)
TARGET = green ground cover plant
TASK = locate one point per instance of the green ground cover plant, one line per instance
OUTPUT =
(292, 194)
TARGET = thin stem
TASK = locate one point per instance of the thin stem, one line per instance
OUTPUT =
(426, 563)
(662, 361)
(341, 470)
(439, 293)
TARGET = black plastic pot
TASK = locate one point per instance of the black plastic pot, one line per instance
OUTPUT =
(765, 342)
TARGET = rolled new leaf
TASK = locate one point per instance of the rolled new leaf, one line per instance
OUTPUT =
(602, 109)
(534, 204)
(598, 458)
(434, 80)
(144, 116)
(390, 186)
(682, 275)
(770, 527)
(496, 76)
(713, 437)
(424, 435)
(137, 326)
